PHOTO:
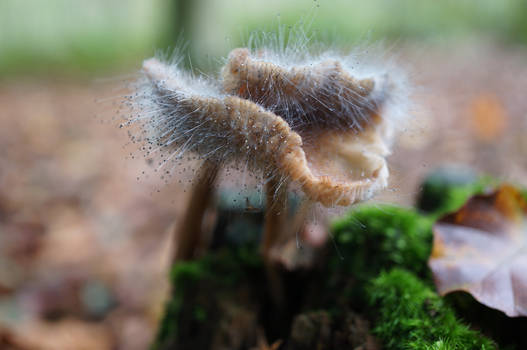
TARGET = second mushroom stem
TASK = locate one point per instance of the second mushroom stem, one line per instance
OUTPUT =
(274, 226)
(188, 230)
(275, 214)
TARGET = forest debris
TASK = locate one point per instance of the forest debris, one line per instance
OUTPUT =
(311, 331)
(489, 118)
(318, 330)
(63, 335)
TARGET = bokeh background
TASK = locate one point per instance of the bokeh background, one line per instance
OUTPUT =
(85, 239)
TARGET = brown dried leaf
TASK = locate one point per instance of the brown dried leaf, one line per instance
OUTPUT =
(482, 249)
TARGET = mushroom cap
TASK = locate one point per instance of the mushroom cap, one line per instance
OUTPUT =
(336, 167)
(318, 94)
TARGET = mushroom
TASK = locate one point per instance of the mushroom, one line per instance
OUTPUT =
(346, 123)
(344, 137)
(315, 126)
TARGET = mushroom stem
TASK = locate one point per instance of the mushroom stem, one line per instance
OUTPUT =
(275, 214)
(188, 230)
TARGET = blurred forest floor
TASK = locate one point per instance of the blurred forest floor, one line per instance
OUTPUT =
(85, 245)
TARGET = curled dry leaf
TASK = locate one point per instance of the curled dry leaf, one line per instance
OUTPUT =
(482, 249)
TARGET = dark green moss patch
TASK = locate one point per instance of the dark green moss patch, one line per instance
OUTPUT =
(373, 286)
(409, 315)
(446, 189)
(374, 238)
(205, 291)
(508, 332)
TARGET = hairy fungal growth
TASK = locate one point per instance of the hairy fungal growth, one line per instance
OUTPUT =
(216, 127)
(309, 95)
(327, 90)
(313, 126)
(222, 129)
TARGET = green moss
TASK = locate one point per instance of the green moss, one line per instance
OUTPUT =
(374, 238)
(447, 189)
(508, 332)
(406, 312)
(185, 274)
(368, 240)
(197, 287)
(409, 315)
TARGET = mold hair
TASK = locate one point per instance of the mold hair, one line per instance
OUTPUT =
(325, 89)
(184, 115)
(188, 115)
